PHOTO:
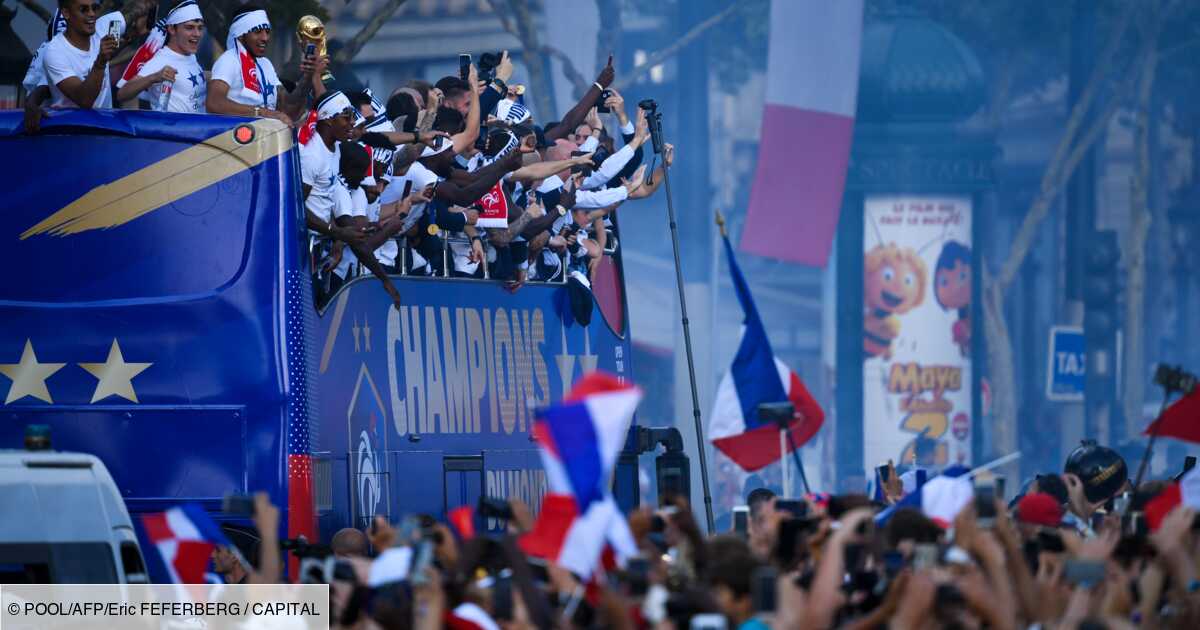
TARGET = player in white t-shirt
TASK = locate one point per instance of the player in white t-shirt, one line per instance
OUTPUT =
(76, 61)
(244, 82)
(174, 64)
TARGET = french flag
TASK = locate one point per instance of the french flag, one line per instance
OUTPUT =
(185, 537)
(579, 440)
(941, 498)
(757, 377)
(807, 128)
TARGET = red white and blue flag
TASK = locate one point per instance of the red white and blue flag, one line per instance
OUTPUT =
(757, 377)
(580, 439)
(941, 498)
(185, 537)
(807, 126)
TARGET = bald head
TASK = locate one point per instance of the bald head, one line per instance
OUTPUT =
(349, 542)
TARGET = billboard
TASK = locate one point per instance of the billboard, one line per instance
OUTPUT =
(917, 293)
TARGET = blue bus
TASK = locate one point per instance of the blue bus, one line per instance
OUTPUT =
(158, 313)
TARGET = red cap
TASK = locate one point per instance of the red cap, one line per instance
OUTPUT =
(1039, 508)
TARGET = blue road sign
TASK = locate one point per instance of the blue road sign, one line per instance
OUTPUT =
(1068, 364)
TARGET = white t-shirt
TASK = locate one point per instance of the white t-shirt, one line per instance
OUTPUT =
(36, 74)
(421, 178)
(386, 253)
(189, 89)
(62, 60)
(228, 68)
(348, 203)
(319, 168)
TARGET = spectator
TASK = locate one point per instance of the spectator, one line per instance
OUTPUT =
(349, 543)
(173, 67)
(75, 61)
(244, 82)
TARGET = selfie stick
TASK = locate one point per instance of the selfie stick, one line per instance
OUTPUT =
(1171, 380)
(783, 421)
(655, 119)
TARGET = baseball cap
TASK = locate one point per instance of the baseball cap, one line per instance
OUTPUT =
(1039, 508)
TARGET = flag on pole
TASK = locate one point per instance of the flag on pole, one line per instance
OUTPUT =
(184, 537)
(941, 498)
(754, 378)
(580, 439)
(1180, 421)
(807, 127)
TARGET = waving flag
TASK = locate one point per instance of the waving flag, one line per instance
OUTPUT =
(941, 498)
(807, 126)
(184, 537)
(757, 377)
(580, 439)
(1180, 421)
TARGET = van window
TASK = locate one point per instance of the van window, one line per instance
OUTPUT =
(131, 562)
(57, 563)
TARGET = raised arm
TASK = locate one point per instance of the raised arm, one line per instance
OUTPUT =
(83, 92)
(140, 83)
(466, 139)
(576, 115)
(485, 178)
(295, 103)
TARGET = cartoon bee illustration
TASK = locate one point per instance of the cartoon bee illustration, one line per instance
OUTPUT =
(893, 284)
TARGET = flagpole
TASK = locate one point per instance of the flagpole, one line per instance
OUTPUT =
(787, 474)
(654, 117)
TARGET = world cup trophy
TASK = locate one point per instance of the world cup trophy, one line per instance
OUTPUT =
(310, 33)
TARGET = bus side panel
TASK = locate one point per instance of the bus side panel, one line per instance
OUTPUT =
(459, 370)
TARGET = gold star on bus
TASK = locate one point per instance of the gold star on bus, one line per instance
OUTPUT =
(115, 375)
(28, 376)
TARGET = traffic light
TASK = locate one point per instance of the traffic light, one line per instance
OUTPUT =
(1101, 288)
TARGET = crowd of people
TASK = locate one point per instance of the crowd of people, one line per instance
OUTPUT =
(1077, 550)
(452, 178)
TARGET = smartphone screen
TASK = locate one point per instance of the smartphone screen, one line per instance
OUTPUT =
(790, 531)
(925, 556)
(1051, 542)
(741, 520)
(1080, 571)
(985, 505)
(799, 509)
(763, 589)
(464, 66)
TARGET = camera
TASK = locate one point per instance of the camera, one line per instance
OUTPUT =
(648, 104)
(1173, 378)
(487, 66)
(490, 507)
(601, 108)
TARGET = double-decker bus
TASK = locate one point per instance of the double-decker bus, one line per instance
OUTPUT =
(158, 313)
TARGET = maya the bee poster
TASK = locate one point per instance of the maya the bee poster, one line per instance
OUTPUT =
(917, 314)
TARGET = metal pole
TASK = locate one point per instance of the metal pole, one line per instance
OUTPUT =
(1153, 438)
(687, 343)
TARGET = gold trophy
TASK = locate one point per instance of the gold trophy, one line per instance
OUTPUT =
(310, 31)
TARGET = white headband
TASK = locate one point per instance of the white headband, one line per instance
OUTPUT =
(185, 12)
(245, 23)
(512, 111)
(334, 104)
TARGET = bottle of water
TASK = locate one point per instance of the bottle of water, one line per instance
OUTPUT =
(164, 96)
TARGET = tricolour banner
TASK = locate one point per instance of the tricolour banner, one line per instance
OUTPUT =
(807, 126)
(917, 278)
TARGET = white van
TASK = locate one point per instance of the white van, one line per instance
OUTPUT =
(64, 522)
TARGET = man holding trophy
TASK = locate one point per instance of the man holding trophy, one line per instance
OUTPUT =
(244, 81)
